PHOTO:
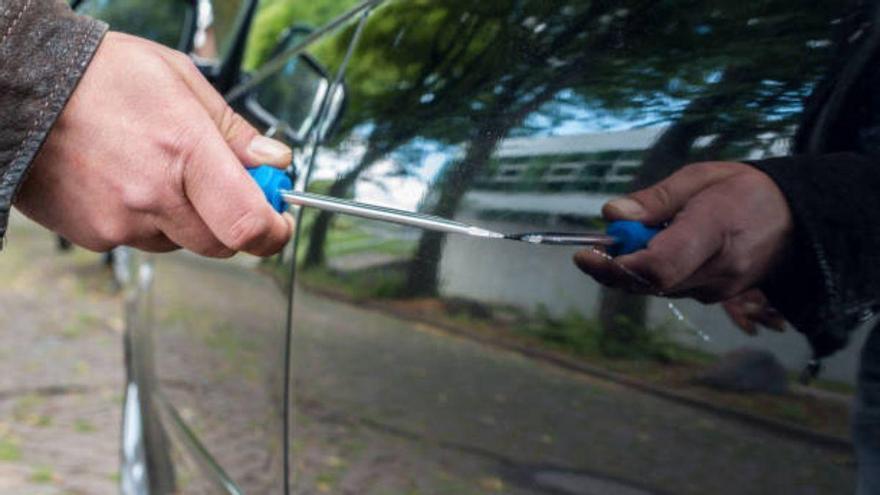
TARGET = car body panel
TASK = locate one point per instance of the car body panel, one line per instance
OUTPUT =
(445, 364)
(207, 343)
(403, 361)
(219, 338)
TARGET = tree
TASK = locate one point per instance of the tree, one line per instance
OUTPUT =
(466, 75)
(755, 93)
(398, 87)
(631, 74)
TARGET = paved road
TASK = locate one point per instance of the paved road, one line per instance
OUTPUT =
(60, 369)
(386, 405)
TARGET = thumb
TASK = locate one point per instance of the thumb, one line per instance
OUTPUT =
(249, 146)
(660, 202)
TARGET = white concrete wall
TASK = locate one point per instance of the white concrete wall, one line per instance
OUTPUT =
(524, 275)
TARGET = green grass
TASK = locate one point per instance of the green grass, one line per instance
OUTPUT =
(832, 386)
(43, 421)
(81, 325)
(347, 237)
(585, 337)
(42, 474)
(25, 407)
(370, 244)
(382, 282)
(83, 426)
(9, 450)
(352, 240)
(793, 412)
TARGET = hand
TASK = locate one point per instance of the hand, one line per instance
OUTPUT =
(750, 309)
(147, 154)
(730, 225)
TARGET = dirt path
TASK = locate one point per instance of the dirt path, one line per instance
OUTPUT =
(60, 369)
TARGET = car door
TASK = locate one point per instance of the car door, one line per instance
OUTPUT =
(207, 339)
(438, 363)
(213, 335)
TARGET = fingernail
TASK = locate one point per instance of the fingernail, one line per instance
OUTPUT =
(751, 307)
(627, 207)
(269, 151)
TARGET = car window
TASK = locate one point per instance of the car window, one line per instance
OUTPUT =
(164, 22)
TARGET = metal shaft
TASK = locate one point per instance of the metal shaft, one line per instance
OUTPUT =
(565, 238)
(384, 214)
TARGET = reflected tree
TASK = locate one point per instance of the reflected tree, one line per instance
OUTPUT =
(734, 95)
(275, 17)
(407, 79)
(718, 76)
(698, 71)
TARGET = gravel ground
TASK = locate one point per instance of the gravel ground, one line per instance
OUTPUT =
(61, 368)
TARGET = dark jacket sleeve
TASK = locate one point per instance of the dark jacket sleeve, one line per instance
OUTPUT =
(829, 281)
(44, 50)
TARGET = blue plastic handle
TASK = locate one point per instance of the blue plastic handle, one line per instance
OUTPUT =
(272, 181)
(631, 236)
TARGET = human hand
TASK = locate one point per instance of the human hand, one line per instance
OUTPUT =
(750, 309)
(729, 225)
(147, 154)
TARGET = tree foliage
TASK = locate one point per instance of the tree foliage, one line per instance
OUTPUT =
(465, 75)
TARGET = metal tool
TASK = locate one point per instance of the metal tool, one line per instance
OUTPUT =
(565, 238)
(622, 237)
(392, 215)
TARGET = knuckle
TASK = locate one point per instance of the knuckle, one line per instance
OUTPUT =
(658, 271)
(231, 124)
(660, 195)
(180, 61)
(96, 245)
(140, 197)
(693, 168)
(722, 295)
(177, 143)
(737, 267)
(731, 290)
(663, 275)
(180, 147)
(703, 168)
(183, 60)
(248, 230)
(113, 232)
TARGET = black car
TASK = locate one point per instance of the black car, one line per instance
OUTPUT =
(370, 358)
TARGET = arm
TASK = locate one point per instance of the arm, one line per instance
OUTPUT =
(831, 280)
(144, 152)
(44, 50)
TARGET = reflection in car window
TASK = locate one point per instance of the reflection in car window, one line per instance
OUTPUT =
(275, 18)
(527, 115)
(160, 21)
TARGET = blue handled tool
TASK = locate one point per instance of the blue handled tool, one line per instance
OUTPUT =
(272, 181)
(631, 236)
(622, 237)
